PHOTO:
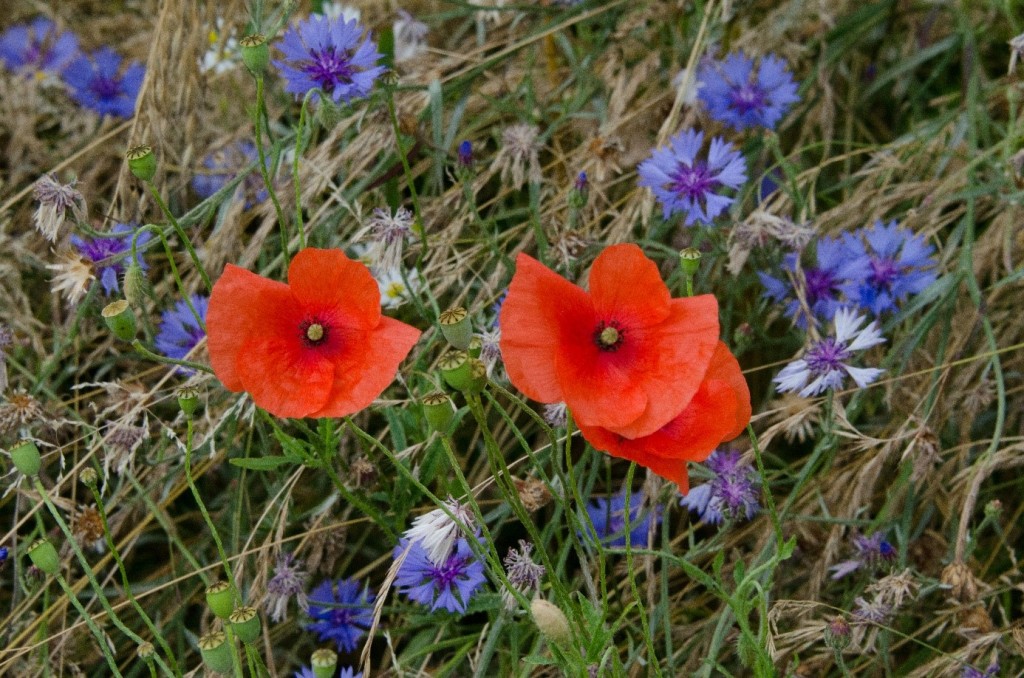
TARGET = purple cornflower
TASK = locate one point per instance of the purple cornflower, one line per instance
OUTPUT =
(465, 154)
(289, 581)
(870, 553)
(449, 586)
(823, 283)
(221, 166)
(823, 365)
(733, 490)
(37, 48)
(3, 554)
(893, 265)
(609, 519)
(437, 533)
(55, 201)
(179, 332)
(98, 82)
(330, 55)
(341, 612)
(684, 183)
(496, 307)
(523, 574)
(970, 672)
(108, 255)
(738, 95)
(347, 672)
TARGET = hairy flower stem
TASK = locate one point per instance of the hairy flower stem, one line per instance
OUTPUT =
(627, 518)
(152, 228)
(100, 638)
(769, 501)
(137, 345)
(90, 575)
(261, 107)
(295, 169)
(108, 537)
(236, 661)
(181, 234)
(420, 228)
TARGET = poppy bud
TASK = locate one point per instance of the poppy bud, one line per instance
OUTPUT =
(328, 114)
(216, 652)
(26, 458)
(220, 599)
(324, 662)
(44, 556)
(141, 161)
(120, 320)
(145, 651)
(456, 370)
(134, 284)
(689, 259)
(188, 399)
(255, 53)
(88, 476)
(551, 622)
(245, 622)
(478, 375)
(456, 328)
(437, 408)
(476, 346)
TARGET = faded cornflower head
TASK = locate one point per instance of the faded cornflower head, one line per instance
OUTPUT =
(733, 491)
(436, 532)
(222, 165)
(490, 349)
(448, 586)
(683, 180)
(761, 228)
(71, 278)
(287, 582)
(55, 201)
(6, 341)
(820, 285)
(108, 254)
(870, 553)
(397, 287)
(37, 48)
(98, 82)
(534, 494)
(608, 516)
(824, 365)
(556, 415)
(19, 410)
(410, 37)
(523, 574)
(389, 232)
(180, 331)
(518, 159)
(741, 95)
(331, 55)
(341, 612)
(886, 264)
(119, 446)
(1016, 51)
(873, 612)
(87, 528)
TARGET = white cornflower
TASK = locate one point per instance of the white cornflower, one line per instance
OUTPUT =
(518, 158)
(389, 233)
(396, 290)
(72, 277)
(410, 37)
(338, 10)
(437, 533)
(823, 365)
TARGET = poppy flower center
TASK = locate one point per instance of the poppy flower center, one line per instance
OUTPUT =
(313, 332)
(609, 335)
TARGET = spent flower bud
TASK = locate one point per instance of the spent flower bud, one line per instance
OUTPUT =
(88, 476)
(255, 53)
(216, 651)
(437, 409)
(689, 259)
(324, 661)
(245, 622)
(188, 400)
(837, 634)
(141, 161)
(456, 370)
(220, 599)
(120, 319)
(551, 622)
(456, 327)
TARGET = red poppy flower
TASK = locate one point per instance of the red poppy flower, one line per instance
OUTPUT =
(719, 411)
(316, 347)
(624, 357)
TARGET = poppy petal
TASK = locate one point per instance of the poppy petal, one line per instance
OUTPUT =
(626, 286)
(540, 308)
(240, 304)
(670, 362)
(367, 366)
(284, 378)
(599, 388)
(327, 279)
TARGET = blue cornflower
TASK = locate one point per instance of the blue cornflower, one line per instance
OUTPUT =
(732, 491)
(3, 554)
(609, 519)
(496, 307)
(824, 283)
(179, 332)
(738, 95)
(108, 254)
(893, 265)
(684, 183)
(223, 165)
(870, 553)
(37, 48)
(449, 585)
(969, 671)
(98, 82)
(465, 153)
(341, 612)
(347, 672)
(329, 54)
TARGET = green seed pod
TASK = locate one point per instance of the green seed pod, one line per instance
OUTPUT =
(188, 400)
(689, 259)
(120, 320)
(141, 162)
(455, 369)
(456, 328)
(44, 556)
(255, 53)
(437, 408)
(324, 662)
(476, 346)
(551, 622)
(145, 651)
(26, 457)
(478, 375)
(88, 476)
(245, 622)
(221, 599)
(216, 651)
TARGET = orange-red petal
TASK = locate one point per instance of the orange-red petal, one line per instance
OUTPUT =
(240, 304)
(540, 308)
(626, 286)
(327, 279)
(284, 379)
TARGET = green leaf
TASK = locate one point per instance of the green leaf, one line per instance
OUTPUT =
(264, 463)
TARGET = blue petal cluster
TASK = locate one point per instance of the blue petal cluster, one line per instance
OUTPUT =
(179, 332)
(37, 48)
(823, 286)
(733, 491)
(108, 254)
(684, 180)
(609, 519)
(740, 94)
(346, 672)
(449, 586)
(330, 55)
(341, 611)
(98, 82)
(221, 166)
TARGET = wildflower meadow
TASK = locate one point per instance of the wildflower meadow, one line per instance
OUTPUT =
(645, 338)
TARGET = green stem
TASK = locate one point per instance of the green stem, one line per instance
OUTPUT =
(634, 589)
(181, 234)
(295, 168)
(765, 488)
(100, 638)
(260, 110)
(137, 345)
(422, 230)
(152, 228)
(236, 661)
